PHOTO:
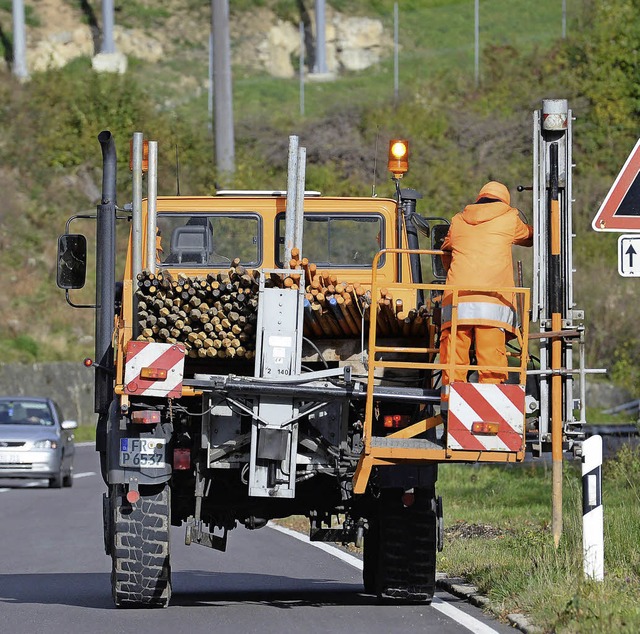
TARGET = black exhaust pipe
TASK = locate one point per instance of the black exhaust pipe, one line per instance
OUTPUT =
(105, 275)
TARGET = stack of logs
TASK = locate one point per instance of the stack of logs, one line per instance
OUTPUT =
(341, 309)
(215, 316)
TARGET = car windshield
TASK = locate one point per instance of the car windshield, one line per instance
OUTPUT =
(25, 413)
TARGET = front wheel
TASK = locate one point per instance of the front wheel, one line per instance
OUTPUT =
(139, 536)
(56, 481)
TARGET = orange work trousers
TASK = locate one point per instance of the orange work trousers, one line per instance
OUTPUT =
(490, 343)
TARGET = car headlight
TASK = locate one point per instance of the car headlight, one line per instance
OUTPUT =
(45, 444)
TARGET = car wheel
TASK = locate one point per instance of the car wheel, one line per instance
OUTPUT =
(67, 481)
(56, 481)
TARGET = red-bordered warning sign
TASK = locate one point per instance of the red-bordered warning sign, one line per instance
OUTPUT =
(620, 210)
(158, 357)
(486, 403)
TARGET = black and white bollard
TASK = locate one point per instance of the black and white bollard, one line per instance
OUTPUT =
(592, 511)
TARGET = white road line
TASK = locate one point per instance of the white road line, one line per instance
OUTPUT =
(332, 550)
(84, 474)
(4, 490)
(464, 619)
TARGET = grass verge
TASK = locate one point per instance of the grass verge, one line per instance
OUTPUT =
(499, 539)
(85, 433)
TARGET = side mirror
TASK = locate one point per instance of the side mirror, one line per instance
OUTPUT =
(72, 261)
(438, 234)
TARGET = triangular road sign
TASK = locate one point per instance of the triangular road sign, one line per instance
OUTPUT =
(620, 210)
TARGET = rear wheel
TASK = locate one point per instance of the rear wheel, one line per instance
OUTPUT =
(139, 536)
(406, 567)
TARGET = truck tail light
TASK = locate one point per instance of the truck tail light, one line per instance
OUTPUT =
(153, 374)
(396, 421)
(145, 417)
(485, 428)
(181, 459)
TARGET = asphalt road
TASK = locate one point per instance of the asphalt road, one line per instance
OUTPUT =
(54, 577)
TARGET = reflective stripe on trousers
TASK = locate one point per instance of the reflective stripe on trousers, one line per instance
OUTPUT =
(481, 311)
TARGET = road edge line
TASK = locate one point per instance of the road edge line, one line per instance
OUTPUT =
(466, 620)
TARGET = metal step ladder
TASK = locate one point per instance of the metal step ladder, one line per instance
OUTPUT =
(428, 439)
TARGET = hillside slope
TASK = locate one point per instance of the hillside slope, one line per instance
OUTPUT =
(461, 135)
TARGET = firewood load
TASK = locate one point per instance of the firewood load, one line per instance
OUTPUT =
(215, 316)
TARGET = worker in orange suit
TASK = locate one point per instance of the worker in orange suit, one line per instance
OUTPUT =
(478, 254)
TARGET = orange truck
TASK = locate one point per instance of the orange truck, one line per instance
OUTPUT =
(275, 353)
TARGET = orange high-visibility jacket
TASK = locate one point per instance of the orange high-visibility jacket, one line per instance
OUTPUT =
(480, 239)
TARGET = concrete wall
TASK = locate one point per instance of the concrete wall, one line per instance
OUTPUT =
(69, 384)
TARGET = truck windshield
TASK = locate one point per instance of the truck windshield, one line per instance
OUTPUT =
(209, 239)
(339, 240)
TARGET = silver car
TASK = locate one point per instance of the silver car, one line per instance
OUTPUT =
(35, 441)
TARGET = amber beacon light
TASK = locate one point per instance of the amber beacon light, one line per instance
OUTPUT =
(398, 163)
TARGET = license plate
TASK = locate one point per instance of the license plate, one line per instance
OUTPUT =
(142, 452)
(9, 458)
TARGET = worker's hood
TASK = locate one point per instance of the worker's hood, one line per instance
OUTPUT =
(477, 214)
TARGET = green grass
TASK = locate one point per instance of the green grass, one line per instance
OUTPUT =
(85, 433)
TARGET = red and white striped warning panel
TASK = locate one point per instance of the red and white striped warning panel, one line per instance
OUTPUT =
(486, 417)
(154, 369)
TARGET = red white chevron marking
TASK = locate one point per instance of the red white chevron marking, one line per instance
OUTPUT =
(485, 402)
(164, 356)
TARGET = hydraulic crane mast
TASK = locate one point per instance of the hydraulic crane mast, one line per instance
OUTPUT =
(553, 307)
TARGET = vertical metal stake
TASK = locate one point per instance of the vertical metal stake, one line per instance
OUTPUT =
(555, 303)
(292, 177)
(152, 207)
(300, 186)
(136, 220)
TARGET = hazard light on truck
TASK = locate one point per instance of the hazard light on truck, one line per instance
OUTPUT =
(398, 163)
